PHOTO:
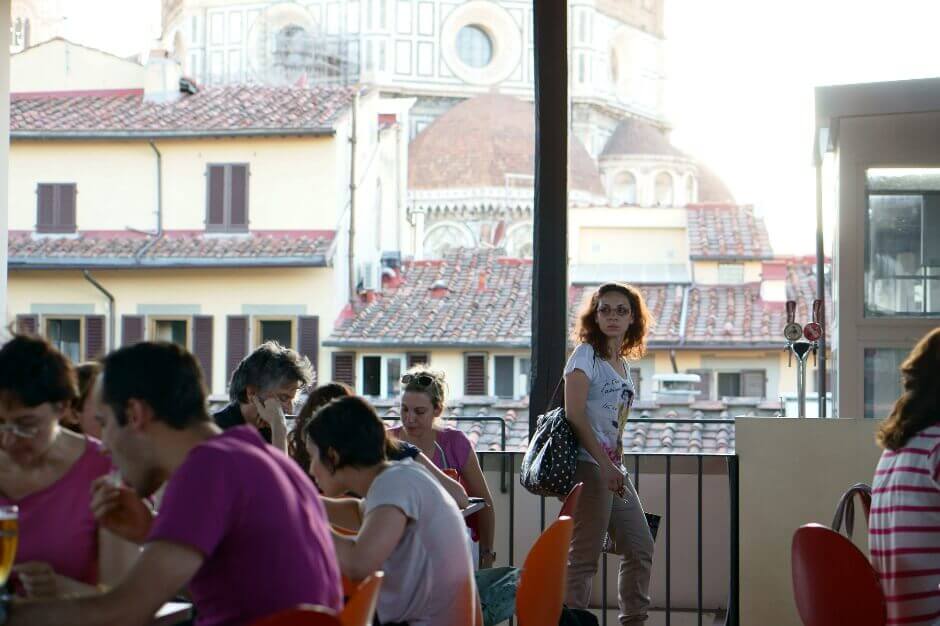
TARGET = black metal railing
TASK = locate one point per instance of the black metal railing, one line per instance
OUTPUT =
(508, 486)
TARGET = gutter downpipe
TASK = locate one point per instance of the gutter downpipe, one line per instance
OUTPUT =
(159, 234)
(683, 318)
(111, 313)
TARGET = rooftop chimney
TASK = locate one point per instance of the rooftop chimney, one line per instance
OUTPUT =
(439, 289)
(162, 78)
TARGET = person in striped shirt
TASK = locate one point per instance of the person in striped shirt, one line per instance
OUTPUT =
(904, 527)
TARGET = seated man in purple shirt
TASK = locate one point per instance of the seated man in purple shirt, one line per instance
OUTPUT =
(239, 523)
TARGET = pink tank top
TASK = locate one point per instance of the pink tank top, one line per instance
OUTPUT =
(56, 523)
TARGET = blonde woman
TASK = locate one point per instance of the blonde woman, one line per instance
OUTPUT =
(598, 394)
(422, 404)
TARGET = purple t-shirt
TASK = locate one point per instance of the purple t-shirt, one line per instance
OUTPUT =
(56, 523)
(260, 525)
(455, 445)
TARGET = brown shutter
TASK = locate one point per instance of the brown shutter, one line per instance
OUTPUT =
(66, 196)
(215, 198)
(475, 375)
(753, 383)
(418, 358)
(94, 337)
(132, 329)
(344, 369)
(236, 340)
(27, 324)
(308, 331)
(45, 208)
(238, 197)
(202, 345)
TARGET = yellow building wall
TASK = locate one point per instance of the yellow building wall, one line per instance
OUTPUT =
(63, 66)
(623, 245)
(706, 272)
(259, 292)
(292, 184)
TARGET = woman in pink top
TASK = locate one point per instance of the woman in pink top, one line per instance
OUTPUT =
(422, 403)
(47, 472)
(904, 526)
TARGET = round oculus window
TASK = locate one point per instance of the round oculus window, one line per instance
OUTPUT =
(474, 46)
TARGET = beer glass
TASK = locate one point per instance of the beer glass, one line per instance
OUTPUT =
(9, 535)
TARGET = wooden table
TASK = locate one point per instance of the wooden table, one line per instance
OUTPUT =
(173, 613)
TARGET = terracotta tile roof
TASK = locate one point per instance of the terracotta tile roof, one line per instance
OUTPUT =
(711, 188)
(633, 136)
(727, 231)
(481, 140)
(663, 301)
(211, 111)
(470, 297)
(175, 248)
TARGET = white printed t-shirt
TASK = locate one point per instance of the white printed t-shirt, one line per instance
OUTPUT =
(608, 401)
(904, 529)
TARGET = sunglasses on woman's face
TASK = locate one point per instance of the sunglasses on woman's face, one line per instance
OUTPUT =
(422, 379)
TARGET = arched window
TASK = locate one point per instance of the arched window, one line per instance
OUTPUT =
(519, 241)
(474, 46)
(443, 238)
(664, 189)
(690, 189)
(294, 52)
(624, 189)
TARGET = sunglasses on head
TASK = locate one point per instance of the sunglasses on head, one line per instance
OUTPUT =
(422, 379)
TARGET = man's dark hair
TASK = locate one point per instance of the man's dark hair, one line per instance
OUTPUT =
(352, 429)
(163, 375)
(270, 365)
(33, 372)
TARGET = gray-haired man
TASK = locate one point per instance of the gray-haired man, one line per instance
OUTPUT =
(263, 388)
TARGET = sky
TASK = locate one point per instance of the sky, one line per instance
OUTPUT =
(740, 79)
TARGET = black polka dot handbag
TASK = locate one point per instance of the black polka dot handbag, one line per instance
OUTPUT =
(552, 455)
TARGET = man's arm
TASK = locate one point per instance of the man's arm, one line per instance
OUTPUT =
(161, 571)
(365, 553)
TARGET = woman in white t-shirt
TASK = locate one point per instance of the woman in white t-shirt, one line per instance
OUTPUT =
(411, 528)
(598, 395)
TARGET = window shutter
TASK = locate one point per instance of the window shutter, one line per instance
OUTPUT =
(27, 324)
(132, 329)
(636, 374)
(203, 344)
(45, 208)
(65, 220)
(236, 339)
(418, 358)
(94, 337)
(753, 383)
(475, 375)
(308, 331)
(344, 368)
(705, 386)
(215, 203)
(238, 196)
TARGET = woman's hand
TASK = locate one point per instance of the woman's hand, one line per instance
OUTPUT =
(121, 511)
(486, 558)
(612, 476)
(38, 579)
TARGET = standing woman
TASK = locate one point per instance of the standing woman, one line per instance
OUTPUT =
(598, 395)
(422, 403)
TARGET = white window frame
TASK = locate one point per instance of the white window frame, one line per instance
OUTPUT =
(152, 321)
(383, 371)
(518, 390)
(44, 329)
(256, 321)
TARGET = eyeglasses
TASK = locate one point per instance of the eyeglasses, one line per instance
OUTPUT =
(422, 379)
(607, 311)
(23, 432)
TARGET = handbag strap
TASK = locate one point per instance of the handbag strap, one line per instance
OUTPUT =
(554, 403)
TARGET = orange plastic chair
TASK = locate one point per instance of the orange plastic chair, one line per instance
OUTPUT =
(571, 501)
(360, 608)
(541, 590)
(833, 582)
(303, 615)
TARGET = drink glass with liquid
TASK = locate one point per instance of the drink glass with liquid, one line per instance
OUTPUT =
(9, 537)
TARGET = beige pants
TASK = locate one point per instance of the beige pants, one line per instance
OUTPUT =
(601, 510)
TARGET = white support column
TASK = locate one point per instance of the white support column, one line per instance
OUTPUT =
(4, 151)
